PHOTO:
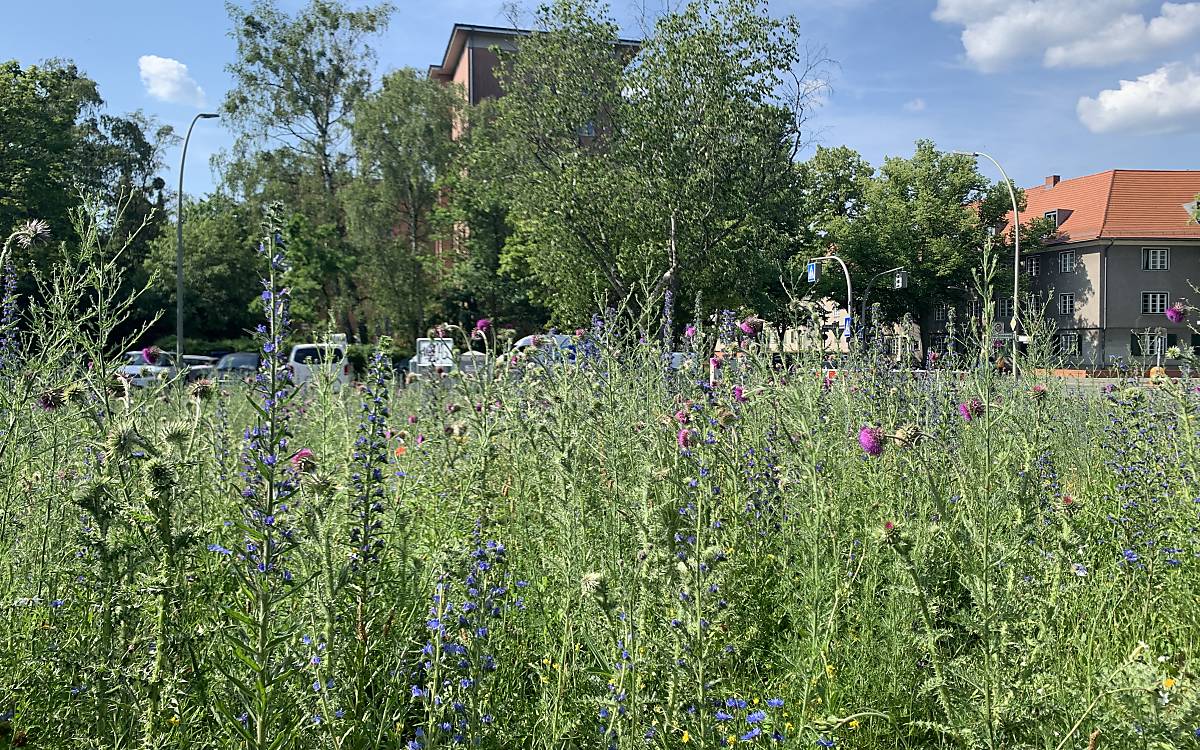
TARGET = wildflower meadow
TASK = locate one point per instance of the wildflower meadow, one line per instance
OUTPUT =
(585, 547)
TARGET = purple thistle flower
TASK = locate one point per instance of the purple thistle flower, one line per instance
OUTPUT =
(1177, 313)
(871, 440)
(970, 410)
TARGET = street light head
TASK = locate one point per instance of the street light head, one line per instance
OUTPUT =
(965, 153)
(208, 115)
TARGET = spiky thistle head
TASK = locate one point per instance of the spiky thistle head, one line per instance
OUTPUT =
(123, 441)
(160, 474)
(175, 433)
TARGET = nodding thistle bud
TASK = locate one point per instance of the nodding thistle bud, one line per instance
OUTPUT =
(159, 474)
(123, 441)
(203, 389)
(896, 539)
(52, 399)
(907, 434)
(1038, 392)
(175, 433)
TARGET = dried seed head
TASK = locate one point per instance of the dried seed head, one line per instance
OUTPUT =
(203, 389)
(31, 233)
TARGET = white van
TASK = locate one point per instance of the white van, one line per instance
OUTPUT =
(326, 362)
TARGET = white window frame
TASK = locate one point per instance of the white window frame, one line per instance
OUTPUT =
(1004, 309)
(1148, 303)
(1052, 216)
(1033, 265)
(1066, 261)
(1069, 343)
(1066, 303)
(941, 313)
(1148, 259)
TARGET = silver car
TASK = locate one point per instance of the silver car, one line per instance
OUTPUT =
(148, 367)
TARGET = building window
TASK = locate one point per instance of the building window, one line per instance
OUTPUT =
(1033, 265)
(1066, 304)
(1147, 344)
(1156, 258)
(1068, 343)
(1066, 262)
(1154, 303)
(1053, 217)
(1004, 310)
(940, 313)
(975, 309)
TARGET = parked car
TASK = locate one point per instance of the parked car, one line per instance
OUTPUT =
(148, 367)
(237, 366)
(311, 361)
(546, 347)
(434, 356)
(196, 367)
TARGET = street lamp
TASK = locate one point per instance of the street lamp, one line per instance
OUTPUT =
(179, 245)
(814, 274)
(1016, 250)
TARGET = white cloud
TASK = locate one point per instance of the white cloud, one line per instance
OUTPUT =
(1129, 37)
(915, 105)
(1064, 33)
(168, 80)
(1165, 101)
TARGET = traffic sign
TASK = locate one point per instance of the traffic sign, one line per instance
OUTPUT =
(814, 272)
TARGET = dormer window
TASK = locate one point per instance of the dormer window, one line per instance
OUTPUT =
(1053, 217)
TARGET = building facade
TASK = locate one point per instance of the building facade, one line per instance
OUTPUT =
(1127, 248)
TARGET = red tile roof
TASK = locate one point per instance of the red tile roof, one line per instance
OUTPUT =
(1119, 203)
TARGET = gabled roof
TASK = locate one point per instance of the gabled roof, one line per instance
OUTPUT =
(1119, 203)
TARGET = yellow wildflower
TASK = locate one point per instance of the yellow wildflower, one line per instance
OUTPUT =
(854, 723)
(685, 738)
(1169, 683)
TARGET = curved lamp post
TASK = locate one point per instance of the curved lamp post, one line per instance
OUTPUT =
(179, 246)
(1016, 250)
(849, 288)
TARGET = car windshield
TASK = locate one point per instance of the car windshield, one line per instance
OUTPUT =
(138, 359)
(238, 361)
(305, 355)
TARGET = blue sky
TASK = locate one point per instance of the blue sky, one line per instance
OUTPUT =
(1066, 87)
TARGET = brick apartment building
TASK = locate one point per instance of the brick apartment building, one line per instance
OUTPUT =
(1126, 249)
(470, 60)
